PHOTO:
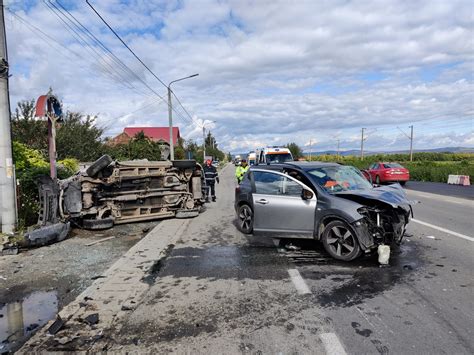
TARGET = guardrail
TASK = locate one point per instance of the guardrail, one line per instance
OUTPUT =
(459, 180)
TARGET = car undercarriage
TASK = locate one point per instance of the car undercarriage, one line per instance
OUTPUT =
(112, 192)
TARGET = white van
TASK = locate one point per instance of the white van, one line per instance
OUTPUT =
(273, 155)
(252, 158)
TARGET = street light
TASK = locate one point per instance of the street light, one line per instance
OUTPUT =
(204, 141)
(170, 115)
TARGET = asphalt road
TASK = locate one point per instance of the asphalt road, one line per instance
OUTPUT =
(220, 291)
(466, 192)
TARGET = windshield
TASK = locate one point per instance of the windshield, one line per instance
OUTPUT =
(339, 178)
(278, 158)
(392, 165)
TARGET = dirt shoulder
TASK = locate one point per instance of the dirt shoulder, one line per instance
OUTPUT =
(50, 277)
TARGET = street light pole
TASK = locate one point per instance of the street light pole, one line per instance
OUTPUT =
(170, 113)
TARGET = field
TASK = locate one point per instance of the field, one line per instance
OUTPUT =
(433, 167)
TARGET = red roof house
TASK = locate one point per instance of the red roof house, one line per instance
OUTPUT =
(153, 133)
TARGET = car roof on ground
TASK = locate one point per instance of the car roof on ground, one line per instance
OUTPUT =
(303, 165)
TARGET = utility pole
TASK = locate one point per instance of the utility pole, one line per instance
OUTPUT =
(7, 181)
(203, 144)
(310, 148)
(170, 121)
(362, 145)
(410, 137)
(338, 149)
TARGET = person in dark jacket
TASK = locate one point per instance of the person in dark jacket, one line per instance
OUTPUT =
(211, 176)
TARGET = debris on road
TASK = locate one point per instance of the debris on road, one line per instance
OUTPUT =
(92, 319)
(384, 254)
(57, 325)
(99, 241)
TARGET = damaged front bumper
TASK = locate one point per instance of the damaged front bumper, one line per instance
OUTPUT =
(380, 227)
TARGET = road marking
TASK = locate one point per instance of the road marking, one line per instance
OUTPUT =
(331, 344)
(459, 235)
(444, 198)
(298, 281)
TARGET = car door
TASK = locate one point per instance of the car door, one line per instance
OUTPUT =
(279, 206)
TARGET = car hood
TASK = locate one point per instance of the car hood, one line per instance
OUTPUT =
(393, 195)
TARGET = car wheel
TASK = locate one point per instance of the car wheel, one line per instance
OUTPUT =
(377, 180)
(101, 163)
(184, 164)
(402, 183)
(340, 241)
(245, 217)
(98, 224)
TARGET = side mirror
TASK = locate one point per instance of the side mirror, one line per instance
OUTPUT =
(307, 194)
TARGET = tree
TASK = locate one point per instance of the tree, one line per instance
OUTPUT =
(27, 129)
(76, 137)
(139, 147)
(295, 150)
(79, 137)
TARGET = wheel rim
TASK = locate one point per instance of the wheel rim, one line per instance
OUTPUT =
(245, 218)
(377, 180)
(341, 241)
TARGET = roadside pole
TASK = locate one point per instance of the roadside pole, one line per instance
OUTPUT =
(170, 118)
(411, 143)
(362, 145)
(7, 180)
(203, 144)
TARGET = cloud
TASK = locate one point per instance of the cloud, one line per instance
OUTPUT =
(271, 72)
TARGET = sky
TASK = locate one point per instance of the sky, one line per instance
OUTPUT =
(270, 72)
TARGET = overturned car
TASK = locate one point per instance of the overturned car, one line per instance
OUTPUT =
(112, 192)
(325, 201)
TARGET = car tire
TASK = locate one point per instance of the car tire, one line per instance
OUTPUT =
(98, 224)
(377, 180)
(402, 183)
(245, 219)
(340, 241)
(184, 164)
(101, 163)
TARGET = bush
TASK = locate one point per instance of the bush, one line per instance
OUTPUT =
(434, 167)
(30, 164)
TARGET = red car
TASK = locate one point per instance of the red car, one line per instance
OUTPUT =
(388, 172)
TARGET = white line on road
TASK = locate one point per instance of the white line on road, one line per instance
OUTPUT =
(459, 235)
(298, 281)
(332, 345)
(444, 198)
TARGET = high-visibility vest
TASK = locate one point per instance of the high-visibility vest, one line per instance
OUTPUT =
(240, 172)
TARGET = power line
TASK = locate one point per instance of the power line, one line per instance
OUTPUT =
(84, 43)
(126, 46)
(137, 57)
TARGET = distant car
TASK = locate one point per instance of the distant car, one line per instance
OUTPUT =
(215, 163)
(323, 201)
(388, 172)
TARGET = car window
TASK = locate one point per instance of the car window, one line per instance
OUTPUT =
(268, 183)
(291, 188)
(392, 165)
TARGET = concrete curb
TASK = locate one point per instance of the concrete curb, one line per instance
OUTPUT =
(120, 289)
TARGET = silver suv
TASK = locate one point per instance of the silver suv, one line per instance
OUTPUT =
(323, 201)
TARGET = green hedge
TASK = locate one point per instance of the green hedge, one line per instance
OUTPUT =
(434, 167)
(30, 164)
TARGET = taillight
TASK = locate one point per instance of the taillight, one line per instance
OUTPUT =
(237, 189)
